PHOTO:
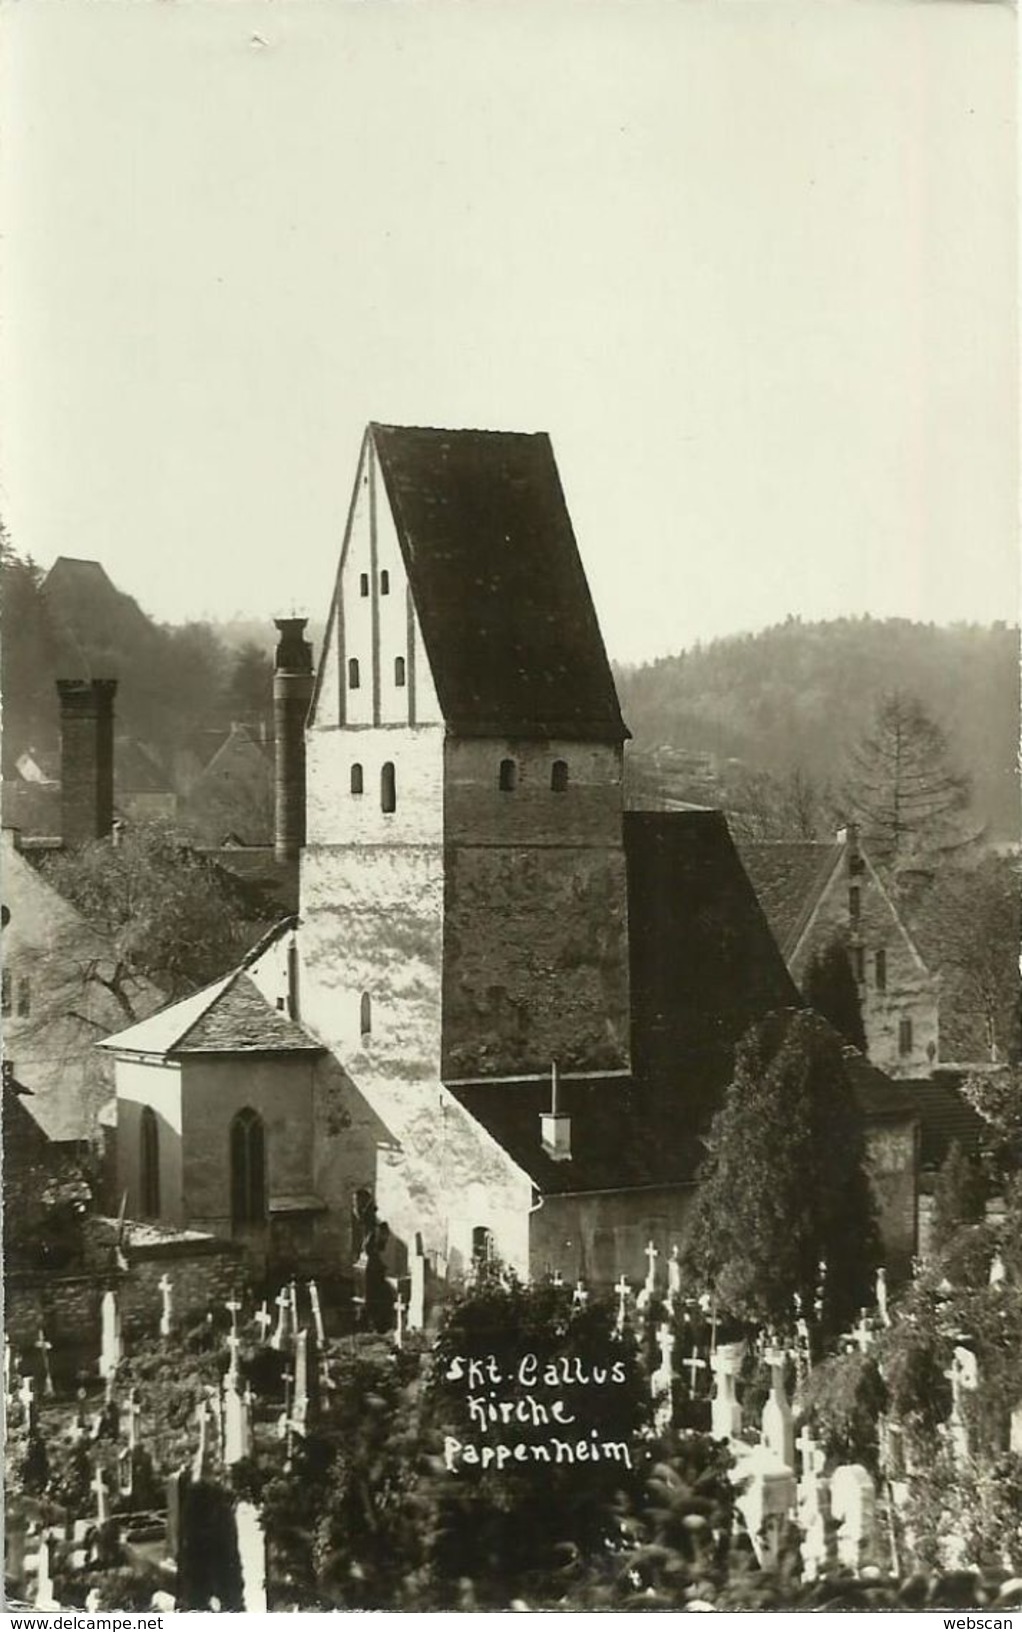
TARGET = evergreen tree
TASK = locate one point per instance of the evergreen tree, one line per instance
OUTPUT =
(830, 989)
(783, 1187)
(908, 798)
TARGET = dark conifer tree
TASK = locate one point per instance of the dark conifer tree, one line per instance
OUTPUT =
(830, 989)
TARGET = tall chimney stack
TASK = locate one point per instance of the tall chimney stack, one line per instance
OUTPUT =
(86, 759)
(292, 693)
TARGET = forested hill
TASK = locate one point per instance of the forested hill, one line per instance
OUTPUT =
(801, 694)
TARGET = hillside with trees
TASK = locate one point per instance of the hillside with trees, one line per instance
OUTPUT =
(789, 702)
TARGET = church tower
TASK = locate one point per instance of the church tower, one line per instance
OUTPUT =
(463, 890)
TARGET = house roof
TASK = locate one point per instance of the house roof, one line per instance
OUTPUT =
(135, 769)
(230, 1016)
(789, 879)
(945, 1118)
(610, 1144)
(505, 610)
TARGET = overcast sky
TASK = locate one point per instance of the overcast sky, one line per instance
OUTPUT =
(751, 264)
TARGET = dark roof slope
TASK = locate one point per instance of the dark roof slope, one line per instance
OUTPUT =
(240, 1020)
(946, 1118)
(506, 613)
(788, 879)
(610, 1144)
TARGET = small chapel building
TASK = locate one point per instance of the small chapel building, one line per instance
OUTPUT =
(507, 1007)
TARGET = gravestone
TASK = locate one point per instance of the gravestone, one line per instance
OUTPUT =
(726, 1412)
(317, 1313)
(237, 1426)
(252, 1554)
(662, 1381)
(111, 1351)
(166, 1287)
(778, 1428)
(417, 1293)
(853, 1505)
(283, 1302)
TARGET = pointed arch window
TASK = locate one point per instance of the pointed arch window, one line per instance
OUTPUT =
(357, 783)
(399, 671)
(354, 679)
(388, 789)
(149, 1163)
(248, 1168)
(365, 1017)
(507, 776)
(559, 776)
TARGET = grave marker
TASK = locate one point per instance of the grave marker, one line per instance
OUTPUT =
(166, 1287)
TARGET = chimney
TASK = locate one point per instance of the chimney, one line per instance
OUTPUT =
(292, 692)
(555, 1126)
(86, 759)
(849, 837)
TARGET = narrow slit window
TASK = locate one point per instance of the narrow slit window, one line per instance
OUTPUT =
(365, 1018)
(384, 582)
(854, 903)
(905, 1036)
(5, 980)
(880, 969)
(353, 674)
(859, 963)
(388, 789)
(363, 583)
(399, 671)
(507, 777)
(559, 776)
(24, 997)
(149, 1175)
(357, 781)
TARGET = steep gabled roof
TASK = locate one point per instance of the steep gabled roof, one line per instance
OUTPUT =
(230, 1016)
(789, 879)
(503, 603)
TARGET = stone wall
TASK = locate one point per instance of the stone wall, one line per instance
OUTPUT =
(892, 1163)
(599, 1237)
(903, 989)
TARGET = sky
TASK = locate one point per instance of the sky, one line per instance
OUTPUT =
(751, 264)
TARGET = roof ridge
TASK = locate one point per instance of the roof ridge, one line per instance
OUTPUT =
(228, 981)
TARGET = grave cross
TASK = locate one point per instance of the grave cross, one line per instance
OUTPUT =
(317, 1313)
(199, 1466)
(44, 1349)
(26, 1394)
(557, 1278)
(806, 1446)
(693, 1365)
(98, 1488)
(283, 1302)
(165, 1286)
(622, 1289)
(399, 1314)
(651, 1257)
(580, 1297)
(264, 1320)
(234, 1344)
(233, 1307)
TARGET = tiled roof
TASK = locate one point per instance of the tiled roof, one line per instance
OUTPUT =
(231, 1016)
(703, 962)
(788, 879)
(506, 615)
(135, 769)
(946, 1118)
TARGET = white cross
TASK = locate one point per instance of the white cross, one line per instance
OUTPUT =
(651, 1255)
(693, 1365)
(557, 1278)
(806, 1446)
(26, 1394)
(399, 1311)
(233, 1306)
(580, 1297)
(264, 1320)
(234, 1344)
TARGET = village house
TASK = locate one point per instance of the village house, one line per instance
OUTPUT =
(816, 893)
(507, 1008)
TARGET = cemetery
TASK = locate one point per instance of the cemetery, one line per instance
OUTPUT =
(499, 1444)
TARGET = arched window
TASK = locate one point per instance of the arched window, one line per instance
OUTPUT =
(365, 1019)
(149, 1163)
(507, 776)
(353, 676)
(248, 1168)
(384, 582)
(388, 789)
(482, 1246)
(356, 779)
(559, 775)
(363, 583)
(399, 671)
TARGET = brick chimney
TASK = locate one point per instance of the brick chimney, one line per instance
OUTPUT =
(292, 693)
(86, 759)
